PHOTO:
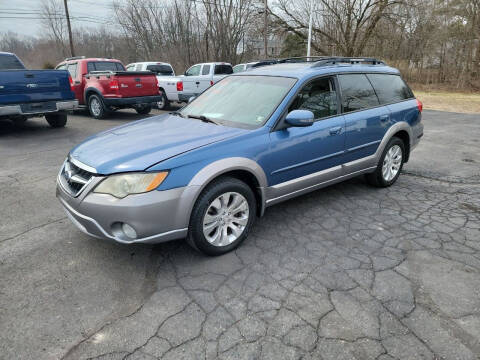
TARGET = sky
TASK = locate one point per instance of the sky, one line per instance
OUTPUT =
(23, 16)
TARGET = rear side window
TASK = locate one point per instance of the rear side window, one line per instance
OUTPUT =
(10, 62)
(357, 92)
(223, 69)
(72, 69)
(390, 88)
(206, 70)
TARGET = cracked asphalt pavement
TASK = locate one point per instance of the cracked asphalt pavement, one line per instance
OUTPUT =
(347, 272)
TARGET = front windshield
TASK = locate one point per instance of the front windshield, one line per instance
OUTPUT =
(241, 101)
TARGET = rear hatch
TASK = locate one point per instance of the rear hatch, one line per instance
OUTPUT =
(133, 83)
(31, 86)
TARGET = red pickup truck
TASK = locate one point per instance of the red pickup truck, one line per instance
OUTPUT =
(104, 85)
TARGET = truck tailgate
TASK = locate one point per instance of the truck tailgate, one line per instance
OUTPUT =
(26, 86)
(134, 84)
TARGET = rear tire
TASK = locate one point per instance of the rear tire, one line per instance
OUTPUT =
(164, 103)
(96, 107)
(390, 164)
(143, 109)
(222, 217)
(56, 120)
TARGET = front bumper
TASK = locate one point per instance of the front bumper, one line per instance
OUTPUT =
(132, 100)
(156, 216)
(28, 110)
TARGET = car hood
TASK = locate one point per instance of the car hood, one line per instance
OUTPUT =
(142, 144)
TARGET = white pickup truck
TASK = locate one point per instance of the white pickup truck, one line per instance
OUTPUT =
(200, 77)
(196, 79)
(168, 84)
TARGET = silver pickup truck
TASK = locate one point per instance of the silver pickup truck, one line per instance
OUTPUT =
(200, 77)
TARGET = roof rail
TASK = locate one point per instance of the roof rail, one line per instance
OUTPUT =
(75, 58)
(346, 60)
(300, 59)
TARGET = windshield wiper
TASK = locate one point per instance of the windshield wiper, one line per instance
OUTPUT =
(203, 118)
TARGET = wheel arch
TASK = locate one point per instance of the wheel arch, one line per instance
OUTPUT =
(89, 91)
(401, 130)
(240, 168)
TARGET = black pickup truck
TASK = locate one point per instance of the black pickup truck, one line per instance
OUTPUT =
(34, 93)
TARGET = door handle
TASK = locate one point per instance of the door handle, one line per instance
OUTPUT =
(335, 130)
(384, 118)
(77, 82)
(198, 82)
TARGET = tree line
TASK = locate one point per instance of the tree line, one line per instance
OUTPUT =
(431, 41)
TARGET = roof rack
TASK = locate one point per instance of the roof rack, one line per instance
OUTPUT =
(75, 58)
(346, 60)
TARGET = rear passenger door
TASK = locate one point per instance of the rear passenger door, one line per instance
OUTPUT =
(366, 119)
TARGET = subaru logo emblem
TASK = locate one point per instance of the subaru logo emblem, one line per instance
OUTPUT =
(68, 172)
(32, 86)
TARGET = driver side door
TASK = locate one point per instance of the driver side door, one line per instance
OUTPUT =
(301, 157)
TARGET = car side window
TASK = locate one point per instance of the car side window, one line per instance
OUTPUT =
(130, 67)
(90, 67)
(357, 92)
(72, 69)
(318, 96)
(138, 67)
(193, 71)
(206, 70)
(390, 88)
(61, 67)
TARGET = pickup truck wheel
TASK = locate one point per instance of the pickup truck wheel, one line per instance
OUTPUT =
(56, 120)
(222, 217)
(163, 103)
(96, 107)
(390, 164)
(143, 109)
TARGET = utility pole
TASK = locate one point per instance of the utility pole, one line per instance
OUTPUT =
(69, 28)
(309, 43)
(265, 30)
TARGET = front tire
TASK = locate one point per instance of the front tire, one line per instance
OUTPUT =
(96, 107)
(56, 120)
(390, 164)
(222, 217)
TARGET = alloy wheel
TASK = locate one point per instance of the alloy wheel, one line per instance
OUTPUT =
(392, 163)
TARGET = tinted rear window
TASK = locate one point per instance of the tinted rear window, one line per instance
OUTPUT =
(390, 88)
(10, 62)
(223, 69)
(206, 70)
(105, 66)
(160, 69)
(357, 92)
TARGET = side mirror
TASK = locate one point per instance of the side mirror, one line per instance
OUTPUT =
(191, 98)
(300, 118)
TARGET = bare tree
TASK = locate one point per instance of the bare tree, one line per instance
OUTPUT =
(53, 21)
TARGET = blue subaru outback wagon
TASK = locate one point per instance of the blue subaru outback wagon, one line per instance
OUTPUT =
(253, 140)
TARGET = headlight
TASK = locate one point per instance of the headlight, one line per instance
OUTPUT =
(134, 183)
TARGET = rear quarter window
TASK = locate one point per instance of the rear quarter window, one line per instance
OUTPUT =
(357, 92)
(390, 88)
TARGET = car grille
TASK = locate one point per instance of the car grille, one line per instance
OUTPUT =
(73, 178)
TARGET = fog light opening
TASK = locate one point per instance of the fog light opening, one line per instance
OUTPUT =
(129, 231)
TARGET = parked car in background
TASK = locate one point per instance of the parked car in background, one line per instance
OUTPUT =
(251, 141)
(252, 65)
(104, 85)
(200, 77)
(167, 81)
(34, 93)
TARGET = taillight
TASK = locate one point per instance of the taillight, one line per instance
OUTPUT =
(70, 80)
(419, 105)
(180, 86)
(211, 82)
(114, 84)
